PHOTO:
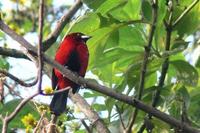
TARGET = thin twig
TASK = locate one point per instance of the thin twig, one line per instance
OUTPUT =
(186, 11)
(40, 47)
(120, 117)
(12, 53)
(86, 126)
(39, 122)
(145, 62)
(11, 90)
(58, 91)
(4, 72)
(52, 124)
(61, 24)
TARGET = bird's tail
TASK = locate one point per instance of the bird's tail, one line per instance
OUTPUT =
(58, 103)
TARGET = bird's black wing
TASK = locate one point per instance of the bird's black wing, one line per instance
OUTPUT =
(74, 65)
(54, 80)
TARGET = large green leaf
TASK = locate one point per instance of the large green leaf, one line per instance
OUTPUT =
(184, 72)
(146, 10)
(132, 38)
(86, 24)
(109, 5)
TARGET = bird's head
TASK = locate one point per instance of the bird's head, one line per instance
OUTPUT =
(78, 37)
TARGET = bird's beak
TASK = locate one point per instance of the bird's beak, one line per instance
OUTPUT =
(85, 38)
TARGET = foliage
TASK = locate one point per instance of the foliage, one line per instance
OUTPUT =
(29, 122)
(117, 51)
(26, 110)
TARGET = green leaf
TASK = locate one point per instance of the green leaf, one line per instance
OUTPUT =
(162, 11)
(4, 64)
(86, 24)
(190, 21)
(198, 63)
(92, 94)
(131, 38)
(184, 94)
(193, 110)
(99, 107)
(110, 102)
(146, 10)
(185, 72)
(109, 5)
(98, 43)
(175, 109)
(80, 131)
(93, 4)
(160, 126)
(127, 12)
(132, 9)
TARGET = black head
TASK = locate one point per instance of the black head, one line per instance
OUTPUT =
(78, 37)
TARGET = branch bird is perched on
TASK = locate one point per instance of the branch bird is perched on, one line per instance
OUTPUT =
(72, 53)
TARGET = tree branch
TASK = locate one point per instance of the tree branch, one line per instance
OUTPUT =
(12, 53)
(61, 24)
(97, 87)
(89, 112)
(145, 62)
(165, 65)
(19, 81)
(40, 46)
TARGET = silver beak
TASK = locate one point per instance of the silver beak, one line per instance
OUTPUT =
(85, 37)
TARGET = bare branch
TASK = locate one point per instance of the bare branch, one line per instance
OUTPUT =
(89, 112)
(12, 53)
(40, 47)
(61, 24)
(4, 72)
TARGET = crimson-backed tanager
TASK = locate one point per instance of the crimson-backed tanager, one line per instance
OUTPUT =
(73, 54)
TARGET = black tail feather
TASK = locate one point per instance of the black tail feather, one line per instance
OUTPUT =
(58, 103)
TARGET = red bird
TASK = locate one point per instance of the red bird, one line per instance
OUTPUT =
(73, 54)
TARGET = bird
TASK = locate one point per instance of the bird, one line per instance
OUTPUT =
(74, 55)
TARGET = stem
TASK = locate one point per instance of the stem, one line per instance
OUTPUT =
(40, 47)
(186, 11)
(145, 62)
